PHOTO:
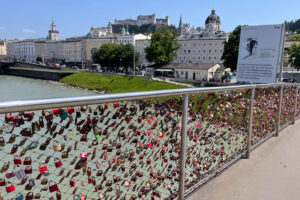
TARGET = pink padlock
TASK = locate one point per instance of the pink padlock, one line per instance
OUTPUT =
(83, 154)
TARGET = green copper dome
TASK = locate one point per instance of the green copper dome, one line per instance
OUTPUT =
(109, 26)
(90, 34)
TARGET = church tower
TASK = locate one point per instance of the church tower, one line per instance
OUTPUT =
(212, 23)
(53, 32)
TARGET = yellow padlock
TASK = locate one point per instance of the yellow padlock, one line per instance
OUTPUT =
(57, 147)
(1, 195)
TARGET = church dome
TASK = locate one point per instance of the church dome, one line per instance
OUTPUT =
(90, 34)
(213, 18)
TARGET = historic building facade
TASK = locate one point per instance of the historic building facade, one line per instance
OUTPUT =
(145, 19)
(201, 45)
(22, 50)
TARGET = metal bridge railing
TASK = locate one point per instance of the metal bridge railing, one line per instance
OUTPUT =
(150, 145)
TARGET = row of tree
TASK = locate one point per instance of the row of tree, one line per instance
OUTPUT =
(162, 50)
(293, 25)
(114, 55)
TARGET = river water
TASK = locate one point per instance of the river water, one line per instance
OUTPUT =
(16, 88)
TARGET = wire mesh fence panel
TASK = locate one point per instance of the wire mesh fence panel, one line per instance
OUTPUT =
(298, 104)
(288, 102)
(217, 132)
(265, 113)
(121, 150)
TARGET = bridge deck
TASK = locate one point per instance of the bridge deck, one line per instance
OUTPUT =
(272, 172)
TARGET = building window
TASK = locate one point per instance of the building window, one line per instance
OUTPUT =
(209, 58)
(203, 57)
(189, 51)
(215, 50)
(209, 51)
(203, 50)
(221, 50)
(216, 44)
(209, 44)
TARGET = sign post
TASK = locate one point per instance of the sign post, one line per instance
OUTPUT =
(260, 54)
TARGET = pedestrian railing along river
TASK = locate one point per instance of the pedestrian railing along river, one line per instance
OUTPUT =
(143, 145)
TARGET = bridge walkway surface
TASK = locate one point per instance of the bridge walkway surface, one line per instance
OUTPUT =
(272, 172)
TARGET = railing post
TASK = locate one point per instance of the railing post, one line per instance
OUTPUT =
(250, 123)
(295, 105)
(279, 112)
(183, 146)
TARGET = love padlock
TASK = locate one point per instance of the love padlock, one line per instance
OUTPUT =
(58, 163)
(43, 168)
(70, 110)
(72, 183)
(31, 182)
(52, 187)
(20, 173)
(20, 196)
(63, 115)
(57, 146)
(83, 154)
(10, 187)
(17, 160)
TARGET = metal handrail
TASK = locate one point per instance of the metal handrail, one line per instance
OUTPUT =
(46, 103)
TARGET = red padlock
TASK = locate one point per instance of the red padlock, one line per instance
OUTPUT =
(58, 163)
(17, 160)
(72, 183)
(70, 110)
(116, 105)
(43, 168)
(10, 187)
(56, 111)
(106, 106)
(83, 154)
(53, 187)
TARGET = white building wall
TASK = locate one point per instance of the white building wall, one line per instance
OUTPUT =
(200, 51)
(22, 50)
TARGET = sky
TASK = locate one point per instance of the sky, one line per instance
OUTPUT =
(27, 19)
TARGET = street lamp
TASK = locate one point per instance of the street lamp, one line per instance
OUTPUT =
(292, 65)
(134, 60)
(120, 63)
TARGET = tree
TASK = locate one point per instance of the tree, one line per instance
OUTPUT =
(113, 55)
(295, 38)
(294, 52)
(231, 49)
(163, 47)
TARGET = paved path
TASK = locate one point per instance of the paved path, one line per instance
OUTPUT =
(272, 172)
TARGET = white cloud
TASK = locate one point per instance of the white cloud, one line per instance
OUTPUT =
(28, 31)
(2, 28)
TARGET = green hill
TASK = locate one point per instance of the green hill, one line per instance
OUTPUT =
(115, 83)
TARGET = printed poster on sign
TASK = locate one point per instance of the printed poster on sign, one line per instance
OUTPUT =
(260, 53)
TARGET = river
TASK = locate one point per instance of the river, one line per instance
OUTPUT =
(17, 88)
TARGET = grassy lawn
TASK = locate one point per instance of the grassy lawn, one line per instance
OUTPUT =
(115, 83)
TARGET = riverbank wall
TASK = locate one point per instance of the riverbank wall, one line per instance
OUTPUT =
(35, 71)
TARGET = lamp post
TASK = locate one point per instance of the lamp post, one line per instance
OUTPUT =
(120, 63)
(293, 60)
(134, 60)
